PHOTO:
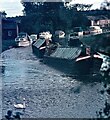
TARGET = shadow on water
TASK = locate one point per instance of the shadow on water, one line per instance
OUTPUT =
(81, 76)
(91, 78)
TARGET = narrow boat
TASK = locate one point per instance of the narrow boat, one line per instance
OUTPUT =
(74, 59)
(71, 61)
(40, 45)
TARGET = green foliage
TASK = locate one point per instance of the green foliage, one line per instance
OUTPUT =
(50, 16)
(105, 5)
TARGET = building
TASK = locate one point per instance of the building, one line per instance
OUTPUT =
(100, 20)
(9, 29)
(0, 33)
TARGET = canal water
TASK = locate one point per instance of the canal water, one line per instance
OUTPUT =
(49, 93)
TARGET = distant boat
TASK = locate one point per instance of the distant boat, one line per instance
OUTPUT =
(95, 30)
(45, 35)
(60, 34)
(33, 37)
(22, 40)
(39, 46)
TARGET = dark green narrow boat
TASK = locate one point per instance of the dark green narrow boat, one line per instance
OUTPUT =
(73, 61)
(38, 48)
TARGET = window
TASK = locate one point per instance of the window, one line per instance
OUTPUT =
(9, 33)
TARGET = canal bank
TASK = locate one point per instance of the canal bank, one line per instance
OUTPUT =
(98, 42)
(7, 44)
(49, 93)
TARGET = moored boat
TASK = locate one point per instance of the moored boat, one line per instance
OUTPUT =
(22, 40)
(73, 61)
(40, 45)
(75, 58)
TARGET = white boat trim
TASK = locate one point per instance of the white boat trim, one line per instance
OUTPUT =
(82, 58)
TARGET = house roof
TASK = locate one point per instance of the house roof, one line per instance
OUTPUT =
(8, 24)
(101, 17)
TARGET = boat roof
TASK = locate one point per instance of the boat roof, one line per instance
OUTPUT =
(39, 43)
(95, 27)
(66, 53)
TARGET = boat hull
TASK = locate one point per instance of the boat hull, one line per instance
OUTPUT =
(90, 65)
(73, 67)
(39, 53)
(23, 43)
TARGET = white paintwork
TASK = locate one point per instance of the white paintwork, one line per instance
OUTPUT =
(95, 30)
(24, 43)
(45, 35)
(82, 58)
(33, 37)
(23, 40)
(60, 33)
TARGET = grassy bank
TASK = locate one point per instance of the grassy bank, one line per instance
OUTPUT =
(99, 42)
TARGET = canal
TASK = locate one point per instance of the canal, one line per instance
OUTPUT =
(49, 93)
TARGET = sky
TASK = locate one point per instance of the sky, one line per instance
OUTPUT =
(14, 7)
(11, 7)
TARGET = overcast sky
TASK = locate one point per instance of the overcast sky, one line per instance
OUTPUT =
(14, 7)
(11, 7)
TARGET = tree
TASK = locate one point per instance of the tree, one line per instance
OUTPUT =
(52, 16)
(3, 13)
(45, 13)
(82, 7)
(105, 5)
